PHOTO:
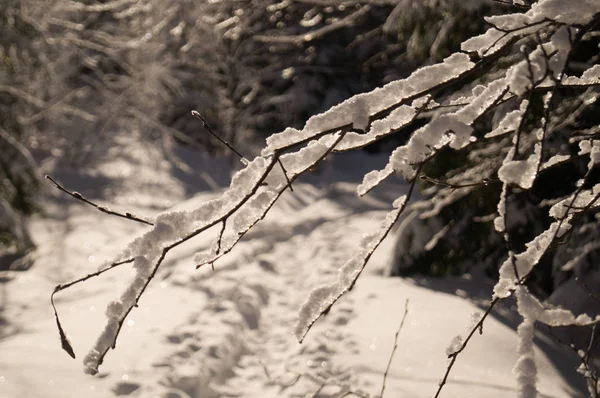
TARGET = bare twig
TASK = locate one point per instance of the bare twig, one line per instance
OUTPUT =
(589, 291)
(387, 369)
(485, 182)
(591, 376)
(103, 209)
(66, 345)
(217, 136)
(228, 145)
(454, 355)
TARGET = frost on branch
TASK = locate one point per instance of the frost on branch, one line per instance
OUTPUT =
(538, 68)
(453, 130)
(446, 109)
(323, 297)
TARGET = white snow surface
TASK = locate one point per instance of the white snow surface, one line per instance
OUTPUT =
(228, 333)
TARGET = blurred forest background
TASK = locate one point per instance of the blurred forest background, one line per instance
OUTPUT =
(75, 75)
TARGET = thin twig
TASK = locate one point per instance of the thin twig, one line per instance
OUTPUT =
(220, 238)
(485, 181)
(66, 345)
(289, 183)
(592, 377)
(103, 209)
(228, 145)
(210, 130)
(454, 355)
(589, 291)
(387, 369)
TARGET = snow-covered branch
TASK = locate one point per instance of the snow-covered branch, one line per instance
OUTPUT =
(497, 107)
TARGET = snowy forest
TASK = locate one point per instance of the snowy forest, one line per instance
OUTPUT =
(300, 198)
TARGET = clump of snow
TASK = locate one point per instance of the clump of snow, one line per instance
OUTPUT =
(564, 12)
(554, 160)
(372, 179)
(510, 122)
(500, 221)
(521, 172)
(487, 43)
(555, 10)
(532, 70)
(594, 154)
(454, 130)
(526, 368)
(148, 249)
(532, 310)
(297, 162)
(454, 346)
(585, 147)
(584, 198)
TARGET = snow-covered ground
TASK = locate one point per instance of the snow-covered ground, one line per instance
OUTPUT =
(229, 333)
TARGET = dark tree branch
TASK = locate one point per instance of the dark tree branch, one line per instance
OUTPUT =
(66, 345)
(103, 209)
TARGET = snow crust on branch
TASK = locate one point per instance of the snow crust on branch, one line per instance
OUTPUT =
(538, 68)
(373, 102)
(554, 160)
(372, 179)
(589, 77)
(521, 172)
(397, 119)
(525, 261)
(146, 250)
(323, 297)
(585, 198)
(453, 129)
(257, 207)
(373, 115)
(510, 122)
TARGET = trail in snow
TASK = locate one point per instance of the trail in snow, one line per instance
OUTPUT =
(228, 333)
